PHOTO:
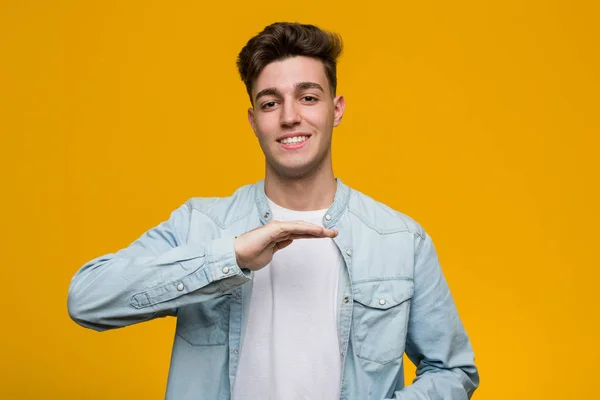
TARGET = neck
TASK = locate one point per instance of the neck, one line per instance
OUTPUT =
(313, 192)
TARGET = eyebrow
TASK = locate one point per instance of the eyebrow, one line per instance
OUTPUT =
(297, 87)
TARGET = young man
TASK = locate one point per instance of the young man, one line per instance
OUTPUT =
(296, 287)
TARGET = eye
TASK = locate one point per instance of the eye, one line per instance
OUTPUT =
(310, 99)
(268, 105)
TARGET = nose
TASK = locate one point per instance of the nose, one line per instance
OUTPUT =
(290, 114)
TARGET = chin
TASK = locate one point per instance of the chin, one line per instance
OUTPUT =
(293, 172)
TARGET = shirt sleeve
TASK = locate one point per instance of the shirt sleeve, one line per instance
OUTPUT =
(437, 342)
(153, 276)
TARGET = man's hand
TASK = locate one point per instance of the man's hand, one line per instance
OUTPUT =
(255, 249)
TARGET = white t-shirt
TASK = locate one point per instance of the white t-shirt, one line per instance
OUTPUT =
(290, 349)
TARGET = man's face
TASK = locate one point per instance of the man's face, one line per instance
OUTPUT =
(294, 115)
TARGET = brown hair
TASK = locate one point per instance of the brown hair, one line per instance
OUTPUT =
(282, 40)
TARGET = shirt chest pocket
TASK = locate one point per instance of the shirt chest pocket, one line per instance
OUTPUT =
(380, 318)
(206, 323)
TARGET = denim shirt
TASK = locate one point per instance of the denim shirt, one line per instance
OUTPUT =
(392, 298)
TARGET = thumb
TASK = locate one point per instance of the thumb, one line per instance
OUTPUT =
(282, 245)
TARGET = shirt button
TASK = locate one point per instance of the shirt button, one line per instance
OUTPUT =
(346, 299)
(225, 270)
(382, 301)
(328, 217)
(180, 287)
(349, 252)
(267, 215)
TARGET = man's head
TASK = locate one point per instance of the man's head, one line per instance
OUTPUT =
(289, 70)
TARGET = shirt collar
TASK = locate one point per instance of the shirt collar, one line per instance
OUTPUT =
(331, 217)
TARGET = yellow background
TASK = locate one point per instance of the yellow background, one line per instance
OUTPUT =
(478, 119)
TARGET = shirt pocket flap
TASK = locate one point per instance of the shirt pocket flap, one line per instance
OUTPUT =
(383, 294)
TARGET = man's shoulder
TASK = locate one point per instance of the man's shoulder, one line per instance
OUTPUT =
(226, 209)
(379, 216)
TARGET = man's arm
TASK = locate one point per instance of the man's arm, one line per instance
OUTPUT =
(153, 276)
(437, 342)
(163, 270)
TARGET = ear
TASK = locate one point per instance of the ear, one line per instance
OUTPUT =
(251, 119)
(339, 105)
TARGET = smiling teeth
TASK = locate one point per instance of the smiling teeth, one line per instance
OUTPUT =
(295, 139)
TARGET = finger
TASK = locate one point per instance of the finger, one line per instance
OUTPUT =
(281, 238)
(300, 236)
(293, 236)
(304, 228)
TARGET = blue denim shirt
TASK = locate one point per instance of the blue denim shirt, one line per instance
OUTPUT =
(392, 298)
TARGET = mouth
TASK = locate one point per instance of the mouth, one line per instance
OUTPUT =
(295, 141)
